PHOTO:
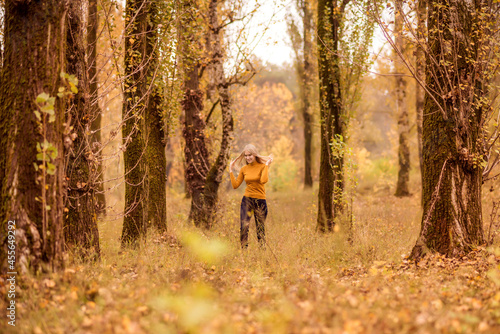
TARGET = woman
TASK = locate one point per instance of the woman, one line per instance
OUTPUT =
(255, 174)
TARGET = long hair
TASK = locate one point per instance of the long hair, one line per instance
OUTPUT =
(240, 160)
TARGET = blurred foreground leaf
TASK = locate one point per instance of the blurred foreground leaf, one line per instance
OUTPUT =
(209, 251)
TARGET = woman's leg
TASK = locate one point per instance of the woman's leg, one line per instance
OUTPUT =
(260, 219)
(245, 215)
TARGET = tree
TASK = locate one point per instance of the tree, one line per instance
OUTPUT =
(144, 156)
(402, 186)
(2, 16)
(156, 162)
(331, 113)
(32, 161)
(344, 35)
(460, 66)
(95, 110)
(303, 48)
(459, 136)
(80, 223)
(420, 72)
(217, 54)
(202, 176)
(195, 148)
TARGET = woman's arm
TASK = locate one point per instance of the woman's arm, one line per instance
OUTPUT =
(235, 182)
(264, 176)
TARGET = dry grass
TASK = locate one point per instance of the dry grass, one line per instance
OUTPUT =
(189, 282)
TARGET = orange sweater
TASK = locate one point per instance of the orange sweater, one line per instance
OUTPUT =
(255, 175)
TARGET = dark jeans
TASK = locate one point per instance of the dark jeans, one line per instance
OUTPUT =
(250, 206)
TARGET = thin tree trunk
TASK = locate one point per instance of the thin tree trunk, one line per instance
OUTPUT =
(80, 223)
(452, 220)
(307, 94)
(214, 176)
(95, 110)
(402, 187)
(35, 41)
(169, 154)
(195, 149)
(331, 179)
(133, 131)
(420, 72)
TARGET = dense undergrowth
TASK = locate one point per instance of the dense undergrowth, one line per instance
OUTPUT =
(190, 281)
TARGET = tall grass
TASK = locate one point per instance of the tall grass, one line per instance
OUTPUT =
(192, 281)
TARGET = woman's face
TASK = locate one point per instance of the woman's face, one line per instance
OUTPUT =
(249, 157)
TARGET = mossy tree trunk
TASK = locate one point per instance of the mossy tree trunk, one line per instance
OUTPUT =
(134, 220)
(95, 109)
(457, 75)
(155, 134)
(403, 183)
(156, 164)
(332, 118)
(80, 223)
(144, 156)
(35, 43)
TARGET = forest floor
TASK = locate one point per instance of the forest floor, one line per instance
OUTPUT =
(190, 281)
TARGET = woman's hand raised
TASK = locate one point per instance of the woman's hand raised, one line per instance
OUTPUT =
(270, 160)
(231, 165)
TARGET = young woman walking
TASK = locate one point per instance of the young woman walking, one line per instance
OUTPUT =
(255, 174)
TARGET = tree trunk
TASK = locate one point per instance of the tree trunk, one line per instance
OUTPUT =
(156, 164)
(95, 110)
(80, 224)
(214, 176)
(155, 134)
(35, 41)
(133, 131)
(195, 149)
(452, 220)
(307, 94)
(420, 72)
(402, 187)
(143, 135)
(331, 179)
(2, 19)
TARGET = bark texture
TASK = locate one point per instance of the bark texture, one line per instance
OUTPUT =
(195, 149)
(452, 220)
(403, 183)
(35, 42)
(80, 223)
(420, 72)
(155, 134)
(214, 176)
(144, 156)
(156, 164)
(331, 179)
(202, 177)
(95, 109)
(306, 78)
